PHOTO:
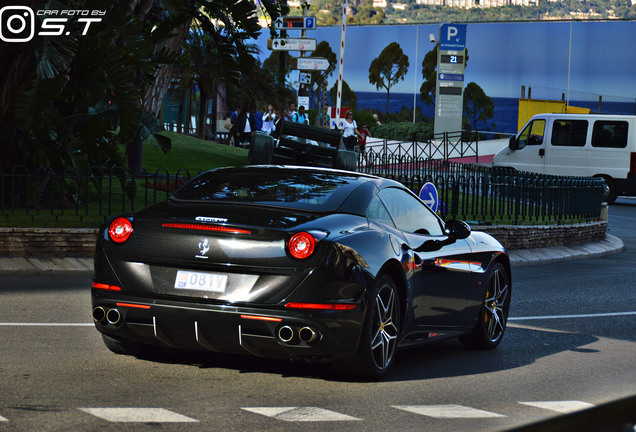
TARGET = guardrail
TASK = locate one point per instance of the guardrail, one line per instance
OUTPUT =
(479, 194)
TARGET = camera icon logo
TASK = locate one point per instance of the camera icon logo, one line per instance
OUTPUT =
(17, 24)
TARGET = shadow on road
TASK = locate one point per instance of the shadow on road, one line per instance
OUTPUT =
(522, 346)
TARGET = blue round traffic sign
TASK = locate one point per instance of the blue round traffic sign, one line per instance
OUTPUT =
(428, 194)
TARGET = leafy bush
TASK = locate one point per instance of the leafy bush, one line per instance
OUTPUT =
(403, 131)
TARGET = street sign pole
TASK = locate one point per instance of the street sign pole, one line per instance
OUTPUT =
(341, 62)
(302, 91)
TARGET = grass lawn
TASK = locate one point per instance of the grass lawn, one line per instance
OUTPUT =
(187, 153)
(192, 154)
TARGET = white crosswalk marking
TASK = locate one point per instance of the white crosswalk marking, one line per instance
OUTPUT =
(138, 415)
(563, 407)
(448, 411)
(297, 414)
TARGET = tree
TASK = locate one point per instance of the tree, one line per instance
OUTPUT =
(477, 105)
(349, 97)
(388, 69)
(68, 101)
(429, 75)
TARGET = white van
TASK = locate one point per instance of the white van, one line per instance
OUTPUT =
(589, 145)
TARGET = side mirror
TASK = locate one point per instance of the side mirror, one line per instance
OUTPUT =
(513, 143)
(457, 230)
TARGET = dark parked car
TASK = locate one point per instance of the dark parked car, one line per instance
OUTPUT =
(300, 263)
(299, 144)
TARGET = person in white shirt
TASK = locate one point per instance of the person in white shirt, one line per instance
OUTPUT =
(289, 114)
(350, 132)
(269, 118)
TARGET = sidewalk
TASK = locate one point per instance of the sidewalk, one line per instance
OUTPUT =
(518, 257)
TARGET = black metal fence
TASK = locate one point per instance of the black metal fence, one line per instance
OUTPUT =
(480, 194)
(487, 195)
(85, 198)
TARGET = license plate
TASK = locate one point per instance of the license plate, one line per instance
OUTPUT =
(201, 281)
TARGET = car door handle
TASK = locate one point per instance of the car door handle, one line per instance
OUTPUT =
(541, 152)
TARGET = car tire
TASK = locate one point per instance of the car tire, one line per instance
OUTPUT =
(380, 334)
(345, 160)
(261, 151)
(493, 314)
(124, 347)
(328, 136)
(611, 185)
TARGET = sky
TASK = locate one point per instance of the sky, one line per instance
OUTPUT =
(502, 56)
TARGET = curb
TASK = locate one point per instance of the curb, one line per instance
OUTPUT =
(549, 255)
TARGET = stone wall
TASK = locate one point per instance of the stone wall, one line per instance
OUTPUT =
(47, 242)
(79, 242)
(526, 237)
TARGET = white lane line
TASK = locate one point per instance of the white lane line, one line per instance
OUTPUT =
(27, 324)
(138, 415)
(298, 414)
(563, 407)
(448, 411)
(594, 315)
(3, 419)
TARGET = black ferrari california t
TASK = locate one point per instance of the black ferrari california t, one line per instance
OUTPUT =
(299, 263)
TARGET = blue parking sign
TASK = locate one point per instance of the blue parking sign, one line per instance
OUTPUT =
(428, 194)
(452, 37)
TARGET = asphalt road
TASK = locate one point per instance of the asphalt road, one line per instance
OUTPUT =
(571, 344)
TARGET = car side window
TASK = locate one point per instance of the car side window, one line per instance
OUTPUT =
(409, 213)
(569, 133)
(378, 212)
(532, 134)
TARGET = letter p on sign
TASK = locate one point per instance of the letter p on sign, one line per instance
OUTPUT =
(451, 32)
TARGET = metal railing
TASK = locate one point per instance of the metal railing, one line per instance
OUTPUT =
(409, 155)
(480, 194)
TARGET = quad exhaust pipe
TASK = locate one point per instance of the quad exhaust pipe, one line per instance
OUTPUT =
(99, 314)
(113, 316)
(306, 334)
(286, 334)
(110, 316)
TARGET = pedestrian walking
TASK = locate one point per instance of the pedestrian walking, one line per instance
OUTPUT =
(300, 116)
(269, 120)
(362, 142)
(289, 114)
(350, 134)
(245, 126)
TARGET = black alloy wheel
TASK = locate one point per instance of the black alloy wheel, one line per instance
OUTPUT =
(380, 334)
(493, 316)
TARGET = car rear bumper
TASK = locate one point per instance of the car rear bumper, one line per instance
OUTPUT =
(259, 331)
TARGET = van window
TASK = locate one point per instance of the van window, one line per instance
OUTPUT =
(609, 133)
(570, 133)
(532, 134)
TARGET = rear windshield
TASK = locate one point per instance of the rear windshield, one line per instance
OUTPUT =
(298, 189)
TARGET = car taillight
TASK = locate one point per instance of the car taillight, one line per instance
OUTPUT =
(632, 163)
(301, 245)
(120, 230)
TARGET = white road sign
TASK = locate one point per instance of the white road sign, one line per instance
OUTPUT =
(292, 44)
(310, 63)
